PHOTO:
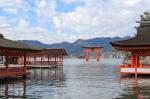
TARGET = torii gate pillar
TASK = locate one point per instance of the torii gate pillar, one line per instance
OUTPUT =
(96, 49)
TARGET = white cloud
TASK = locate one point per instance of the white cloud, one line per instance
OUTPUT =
(3, 22)
(114, 18)
(132, 3)
(41, 3)
(68, 1)
(10, 10)
(95, 18)
(23, 23)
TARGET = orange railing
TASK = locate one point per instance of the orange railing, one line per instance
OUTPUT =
(129, 66)
(11, 72)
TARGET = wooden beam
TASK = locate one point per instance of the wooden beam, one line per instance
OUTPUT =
(6, 61)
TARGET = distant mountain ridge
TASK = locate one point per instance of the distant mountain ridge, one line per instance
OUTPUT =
(75, 47)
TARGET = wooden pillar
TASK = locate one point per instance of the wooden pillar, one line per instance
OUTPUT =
(136, 63)
(25, 60)
(48, 59)
(59, 60)
(28, 59)
(62, 60)
(42, 59)
(21, 60)
(35, 61)
(55, 61)
(137, 59)
(132, 59)
(6, 61)
(86, 55)
(97, 51)
(25, 65)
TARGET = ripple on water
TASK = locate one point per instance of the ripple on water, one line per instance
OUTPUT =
(77, 80)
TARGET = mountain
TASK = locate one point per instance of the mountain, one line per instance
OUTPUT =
(75, 47)
(33, 42)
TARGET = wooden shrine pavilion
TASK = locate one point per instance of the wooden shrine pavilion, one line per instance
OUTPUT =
(88, 49)
(139, 46)
(8, 49)
(47, 57)
(15, 56)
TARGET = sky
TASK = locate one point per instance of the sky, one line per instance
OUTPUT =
(54, 21)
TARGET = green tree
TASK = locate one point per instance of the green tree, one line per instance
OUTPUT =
(145, 16)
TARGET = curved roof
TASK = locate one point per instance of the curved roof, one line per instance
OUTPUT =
(92, 46)
(10, 44)
(55, 51)
(142, 39)
(51, 51)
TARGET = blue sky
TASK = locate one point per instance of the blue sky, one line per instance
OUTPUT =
(52, 21)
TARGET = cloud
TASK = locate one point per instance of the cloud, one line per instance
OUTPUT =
(94, 18)
(23, 23)
(3, 22)
(41, 3)
(10, 10)
(68, 1)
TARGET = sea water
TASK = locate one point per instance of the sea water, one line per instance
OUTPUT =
(77, 80)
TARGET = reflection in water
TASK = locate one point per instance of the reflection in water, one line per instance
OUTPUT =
(13, 89)
(95, 80)
(135, 88)
(46, 74)
(27, 88)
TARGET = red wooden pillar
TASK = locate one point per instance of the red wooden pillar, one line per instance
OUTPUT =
(97, 51)
(132, 59)
(20, 60)
(28, 59)
(42, 58)
(50, 59)
(25, 65)
(86, 55)
(136, 63)
(137, 59)
(25, 60)
(62, 60)
(35, 61)
(55, 61)
(7, 61)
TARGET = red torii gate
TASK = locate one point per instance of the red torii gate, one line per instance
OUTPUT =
(96, 49)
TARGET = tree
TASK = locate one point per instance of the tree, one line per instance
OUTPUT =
(145, 16)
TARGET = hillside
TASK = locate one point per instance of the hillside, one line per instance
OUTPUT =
(75, 47)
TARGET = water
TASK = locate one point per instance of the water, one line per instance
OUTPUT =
(77, 80)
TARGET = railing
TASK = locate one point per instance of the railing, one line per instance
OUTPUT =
(128, 69)
(12, 72)
(125, 66)
(129, 66)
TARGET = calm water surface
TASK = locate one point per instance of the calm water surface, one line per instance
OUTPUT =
(77, 80)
